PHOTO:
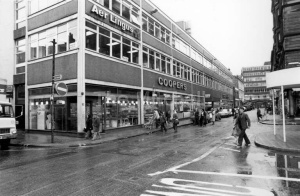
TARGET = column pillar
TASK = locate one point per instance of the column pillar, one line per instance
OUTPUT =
(81, 68)
(291, 102)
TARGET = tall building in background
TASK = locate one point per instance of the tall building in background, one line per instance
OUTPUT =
(255, 84)
(286, 48)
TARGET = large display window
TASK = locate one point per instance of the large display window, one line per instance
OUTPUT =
(116, 107)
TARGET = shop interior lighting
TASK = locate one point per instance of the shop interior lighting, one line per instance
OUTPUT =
(36, 103)
(132, 51)
(112, 44)
(46, 103)
(31, 103)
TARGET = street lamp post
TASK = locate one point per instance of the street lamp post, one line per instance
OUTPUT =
(52, 92)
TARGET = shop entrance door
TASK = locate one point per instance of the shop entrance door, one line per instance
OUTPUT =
(60, 120)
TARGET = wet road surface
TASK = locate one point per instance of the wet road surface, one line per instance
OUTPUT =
(195, 161)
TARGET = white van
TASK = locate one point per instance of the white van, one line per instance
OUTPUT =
(8, 129)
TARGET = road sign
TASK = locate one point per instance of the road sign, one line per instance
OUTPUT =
(61, 88)
(57, 77)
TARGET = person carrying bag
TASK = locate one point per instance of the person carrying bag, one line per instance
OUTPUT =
(175, 121)
(89, 127)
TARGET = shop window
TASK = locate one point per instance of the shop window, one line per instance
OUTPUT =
(20, 51)
(135, 15)
(126, 12)
(72, 34)
(104, 44)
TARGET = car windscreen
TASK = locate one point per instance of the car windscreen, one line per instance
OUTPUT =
(6, 111)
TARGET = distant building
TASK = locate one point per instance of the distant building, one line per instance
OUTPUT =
(255, 84)
(286, 52)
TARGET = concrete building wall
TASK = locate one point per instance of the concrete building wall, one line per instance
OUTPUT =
(7, 44)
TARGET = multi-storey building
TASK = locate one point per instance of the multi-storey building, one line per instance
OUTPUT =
(255, 84)
(120, 59)
(286, 47)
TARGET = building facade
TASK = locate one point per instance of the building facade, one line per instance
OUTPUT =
(120, 60)
(255, 84)
(286, 47)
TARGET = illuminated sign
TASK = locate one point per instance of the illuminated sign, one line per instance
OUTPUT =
(171, 83)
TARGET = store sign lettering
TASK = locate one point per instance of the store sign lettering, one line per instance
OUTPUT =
(113, 19)
(171, 83)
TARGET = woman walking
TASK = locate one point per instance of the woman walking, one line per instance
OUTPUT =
(213, 116)
(236, 130)
(175, 121)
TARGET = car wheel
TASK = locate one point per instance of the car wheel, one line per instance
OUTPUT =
(4, 144)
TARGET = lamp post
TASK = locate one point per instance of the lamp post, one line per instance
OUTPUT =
(52, 92)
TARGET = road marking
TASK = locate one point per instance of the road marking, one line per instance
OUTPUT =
(184, 164)
(203, 188)
(230, 144)
(236, 175)
(231, 149)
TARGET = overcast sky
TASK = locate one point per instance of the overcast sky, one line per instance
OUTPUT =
(237, 32)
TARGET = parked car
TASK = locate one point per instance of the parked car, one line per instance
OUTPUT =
(225, 113)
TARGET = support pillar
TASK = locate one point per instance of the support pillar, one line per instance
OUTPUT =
(283, 113)
(274, 122)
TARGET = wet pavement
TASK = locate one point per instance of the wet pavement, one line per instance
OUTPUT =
(194, 161)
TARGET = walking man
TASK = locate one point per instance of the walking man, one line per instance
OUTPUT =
(213, 117)
(244, 123)
(258, 114)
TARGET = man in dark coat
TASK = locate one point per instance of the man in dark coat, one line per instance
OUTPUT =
(244, 123)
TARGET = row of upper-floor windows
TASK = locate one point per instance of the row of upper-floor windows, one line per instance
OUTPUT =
(154, 60)
(65, 36)
(265, 67)
(104, 41)
(259, 90)
(255, 84)
(162, 33)
(254, 79)
(255, 74)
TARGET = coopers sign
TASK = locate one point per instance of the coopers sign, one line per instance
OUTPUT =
(171, 83)
(112, 19)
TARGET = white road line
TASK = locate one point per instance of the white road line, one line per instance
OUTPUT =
(182, 165)
(230, 144)
(237, 175)
(231, 149)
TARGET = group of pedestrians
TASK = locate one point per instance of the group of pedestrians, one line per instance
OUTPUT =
(93, 127)
(201, 118)
(162, 119)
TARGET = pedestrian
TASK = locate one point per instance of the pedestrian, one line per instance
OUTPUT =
(258, 114)
(163, 122)
(175, 121)
(236, 130)
(89, 127)
(196, 119)
(96, 127)
(202, 117)
(213, 116)
(168, 115)
(244, 123)
(156, 118)
(233, 112)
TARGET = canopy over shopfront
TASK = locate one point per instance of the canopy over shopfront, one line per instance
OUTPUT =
(283, 79)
